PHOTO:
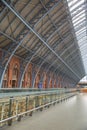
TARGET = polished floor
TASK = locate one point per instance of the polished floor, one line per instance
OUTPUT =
(68, 115)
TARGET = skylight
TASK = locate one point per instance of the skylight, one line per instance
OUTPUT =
(78, 11)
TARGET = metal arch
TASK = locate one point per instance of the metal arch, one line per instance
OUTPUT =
(73, 65)
(50, 66)
(13, 54)
(46, 69)
(72, 53)
(54, 25)
(75, 56)
(31, 59)
(68, 74)
(64, 74)
(10, 59)
(67, 49)
(49, 79)
(52, 30)
(60, 26)
(15, 41)
(64, 78)
(6, 35)
(45, 60)
(51, 20)
(30, 28)
(43, 11)
(71, 58)
(20, 85)
(20, 12)
(40, 67)
(57, 59)
(62, 69)
(11, 38)
(48, 12)
(36, 23)
(19, 44)
(60, 19)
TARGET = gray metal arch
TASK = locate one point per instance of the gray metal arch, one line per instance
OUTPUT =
(20, 85)
(28, 64)
(26, 57)
(48, 11)
(40, 68)
(1, 80)
(62, 69)
(60, 55)
(20, 43)
(48, 69)
(64, 76)
(52, 43)
(50, 64)
(26, 24)
(54, 25)
(68, 78)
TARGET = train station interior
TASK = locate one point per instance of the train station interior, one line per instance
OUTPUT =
(43, 64)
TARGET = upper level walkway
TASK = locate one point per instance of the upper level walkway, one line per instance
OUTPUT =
(68, 115)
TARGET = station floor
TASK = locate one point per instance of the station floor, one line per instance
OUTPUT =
(68, 115)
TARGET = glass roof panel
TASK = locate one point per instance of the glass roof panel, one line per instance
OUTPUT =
(78, 13)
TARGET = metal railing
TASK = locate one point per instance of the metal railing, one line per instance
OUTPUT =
(13, 108)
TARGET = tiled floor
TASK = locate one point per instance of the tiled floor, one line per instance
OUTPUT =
(68, 115)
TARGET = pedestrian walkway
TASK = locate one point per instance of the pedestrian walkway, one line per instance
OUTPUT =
(68, 115)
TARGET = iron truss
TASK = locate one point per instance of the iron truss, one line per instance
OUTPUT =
(40, 32)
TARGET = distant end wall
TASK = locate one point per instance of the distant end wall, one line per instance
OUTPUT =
(84, 90)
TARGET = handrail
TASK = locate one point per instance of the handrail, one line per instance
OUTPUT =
(24, 92)
(34, 109)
